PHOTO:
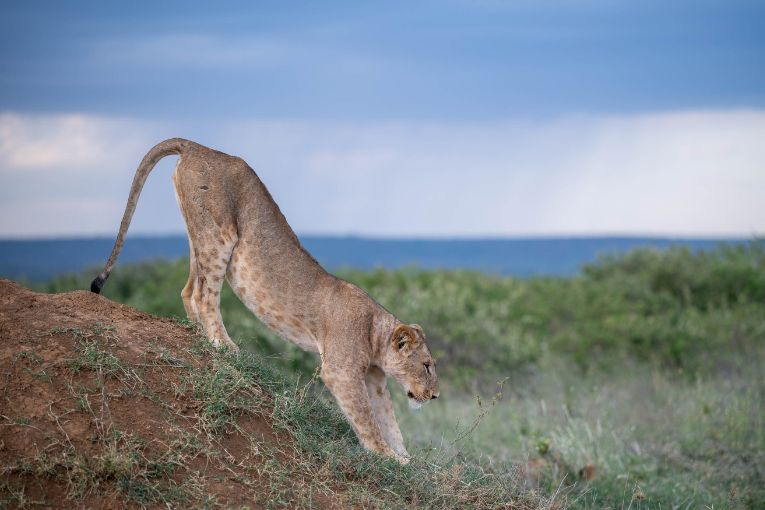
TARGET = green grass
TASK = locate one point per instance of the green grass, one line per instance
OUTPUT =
(645, 368)
(679, 441)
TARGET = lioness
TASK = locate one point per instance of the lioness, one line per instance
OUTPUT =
(236, 230)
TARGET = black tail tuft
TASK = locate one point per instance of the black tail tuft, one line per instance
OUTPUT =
(96, 285)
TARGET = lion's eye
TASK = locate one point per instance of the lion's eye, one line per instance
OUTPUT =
(427, 367)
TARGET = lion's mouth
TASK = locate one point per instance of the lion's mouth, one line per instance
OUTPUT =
(414, 402)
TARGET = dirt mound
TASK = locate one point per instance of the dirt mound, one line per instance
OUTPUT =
(103, 406)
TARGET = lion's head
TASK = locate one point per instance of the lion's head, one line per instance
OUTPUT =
(409, 362)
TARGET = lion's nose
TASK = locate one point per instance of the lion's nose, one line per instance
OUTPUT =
(435, 396)
(410, 394)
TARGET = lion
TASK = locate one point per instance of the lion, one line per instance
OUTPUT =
(236, 231)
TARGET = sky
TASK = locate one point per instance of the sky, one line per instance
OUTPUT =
(451, 118)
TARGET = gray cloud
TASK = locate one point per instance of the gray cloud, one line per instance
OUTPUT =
(673, 173)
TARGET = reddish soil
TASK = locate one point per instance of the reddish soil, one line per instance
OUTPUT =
(122, 429)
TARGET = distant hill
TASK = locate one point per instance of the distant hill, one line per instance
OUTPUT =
(36, 260)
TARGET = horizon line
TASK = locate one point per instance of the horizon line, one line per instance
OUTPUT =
(425, 237)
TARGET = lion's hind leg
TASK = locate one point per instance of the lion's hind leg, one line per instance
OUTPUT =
(382, 407)
(191, 287)
(212, 254)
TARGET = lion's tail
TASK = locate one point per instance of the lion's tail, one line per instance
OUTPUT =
(159, 151)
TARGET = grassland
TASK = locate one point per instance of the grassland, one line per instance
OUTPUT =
(636, 384)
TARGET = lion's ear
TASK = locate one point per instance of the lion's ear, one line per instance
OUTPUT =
(418, 328)
(402, 337)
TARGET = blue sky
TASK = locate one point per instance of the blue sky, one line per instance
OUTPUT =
(501, 118)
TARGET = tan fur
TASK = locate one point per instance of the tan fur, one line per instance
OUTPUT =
(236, 231)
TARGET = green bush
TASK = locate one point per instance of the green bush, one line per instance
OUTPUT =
(678, 309)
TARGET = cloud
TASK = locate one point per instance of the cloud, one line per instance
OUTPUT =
(185, 49)
(695, 173)
(690, 173)
(57, 217)
(48, 142)
(242, 54)
(70, 174)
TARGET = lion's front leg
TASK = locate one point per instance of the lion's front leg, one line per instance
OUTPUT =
(382, 407)
(351, 394)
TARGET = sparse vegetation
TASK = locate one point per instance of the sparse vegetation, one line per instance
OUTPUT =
(208, 419)
(636, 384)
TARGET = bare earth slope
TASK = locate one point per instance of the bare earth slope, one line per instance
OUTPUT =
(103, 406)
